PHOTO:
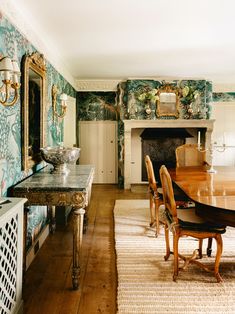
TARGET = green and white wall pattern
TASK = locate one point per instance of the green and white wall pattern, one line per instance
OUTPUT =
(15, 45)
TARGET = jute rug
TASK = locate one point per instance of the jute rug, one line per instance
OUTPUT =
(145, 282)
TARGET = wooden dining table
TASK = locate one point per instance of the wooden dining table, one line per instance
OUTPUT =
(213, 193)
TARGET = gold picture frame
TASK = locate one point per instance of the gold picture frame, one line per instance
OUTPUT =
(33, 102)
(168, 101)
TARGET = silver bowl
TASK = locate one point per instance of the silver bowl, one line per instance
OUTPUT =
(60, 157)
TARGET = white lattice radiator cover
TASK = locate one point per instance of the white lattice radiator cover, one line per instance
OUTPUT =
(11, 255)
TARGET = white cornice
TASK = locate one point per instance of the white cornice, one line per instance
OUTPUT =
(97, 85)
(15, 15)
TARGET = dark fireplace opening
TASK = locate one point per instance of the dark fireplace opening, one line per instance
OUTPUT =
(160, 144)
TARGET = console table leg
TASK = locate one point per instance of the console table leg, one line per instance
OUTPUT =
(52, 224)
(78, 217)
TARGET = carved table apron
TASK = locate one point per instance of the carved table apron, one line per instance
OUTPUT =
(46, 188)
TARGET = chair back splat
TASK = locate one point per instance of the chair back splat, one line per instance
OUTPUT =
(189, 155)
(155, 201)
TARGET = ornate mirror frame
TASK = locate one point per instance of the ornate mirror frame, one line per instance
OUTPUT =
(168, 101)
(32, 64)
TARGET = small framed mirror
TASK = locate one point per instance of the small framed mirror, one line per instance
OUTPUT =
(33, 100)
(168, 101)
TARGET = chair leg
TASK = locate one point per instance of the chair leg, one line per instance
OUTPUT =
(200, 248)
(219, 250)
(176, 255)
(152, 214)
(156, 204)
(209, 249)
(167, 241)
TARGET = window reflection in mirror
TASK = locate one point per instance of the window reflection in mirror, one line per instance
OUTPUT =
(33, 99)
(34, 113)
(167, 103)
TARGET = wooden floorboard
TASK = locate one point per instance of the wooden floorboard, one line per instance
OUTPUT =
(47, 283)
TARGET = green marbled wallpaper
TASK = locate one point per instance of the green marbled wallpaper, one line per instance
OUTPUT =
(15, 45)
(220, 97)
(94, 106)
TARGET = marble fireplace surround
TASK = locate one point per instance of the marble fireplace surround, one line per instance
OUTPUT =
(129, 125)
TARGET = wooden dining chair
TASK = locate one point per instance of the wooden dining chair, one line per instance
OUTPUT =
(189, 155)
(184, 222)
(155, 198)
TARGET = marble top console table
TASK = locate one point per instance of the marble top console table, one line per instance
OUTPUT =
(73, 189)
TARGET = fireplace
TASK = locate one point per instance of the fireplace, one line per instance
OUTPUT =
(160, 144)
(132, 126)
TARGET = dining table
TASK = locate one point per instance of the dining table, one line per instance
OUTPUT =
(213, 193)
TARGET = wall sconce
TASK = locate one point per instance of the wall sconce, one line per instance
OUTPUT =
(63, 98)
(10, 72)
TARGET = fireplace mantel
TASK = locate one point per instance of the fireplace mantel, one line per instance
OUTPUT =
(159, 123)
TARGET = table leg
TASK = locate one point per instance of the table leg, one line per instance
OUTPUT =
(78, 217)
(52, 224)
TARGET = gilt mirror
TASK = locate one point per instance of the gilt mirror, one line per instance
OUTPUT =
(168, 101)
(33, 99)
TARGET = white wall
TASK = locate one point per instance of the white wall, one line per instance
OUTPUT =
(70, 123)
(224, 132)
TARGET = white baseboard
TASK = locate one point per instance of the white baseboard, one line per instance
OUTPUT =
(36, 246)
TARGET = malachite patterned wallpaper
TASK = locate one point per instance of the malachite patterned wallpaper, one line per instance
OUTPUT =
(221, 97)
(139, 98)
(15, 45)
(94, 106)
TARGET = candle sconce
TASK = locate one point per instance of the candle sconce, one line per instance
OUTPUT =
(9, 90)
(63, 99)
(132, 107)
(212, 148)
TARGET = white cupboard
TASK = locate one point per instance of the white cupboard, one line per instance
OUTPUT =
(98, 143)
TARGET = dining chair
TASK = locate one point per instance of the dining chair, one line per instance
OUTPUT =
(189, 155)
(155, 196)
(184, 222)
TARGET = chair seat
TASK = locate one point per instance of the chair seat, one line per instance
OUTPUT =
(178, 193)
(188, 220)
(162, 216)
(159, 192)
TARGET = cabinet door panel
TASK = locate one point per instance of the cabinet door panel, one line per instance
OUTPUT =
(98, 141)
(111, 153)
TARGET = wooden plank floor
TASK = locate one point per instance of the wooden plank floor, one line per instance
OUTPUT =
(47, 284)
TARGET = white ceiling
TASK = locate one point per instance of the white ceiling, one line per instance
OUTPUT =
(110, 39)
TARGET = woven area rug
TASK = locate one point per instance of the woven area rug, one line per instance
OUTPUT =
(145, 282)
